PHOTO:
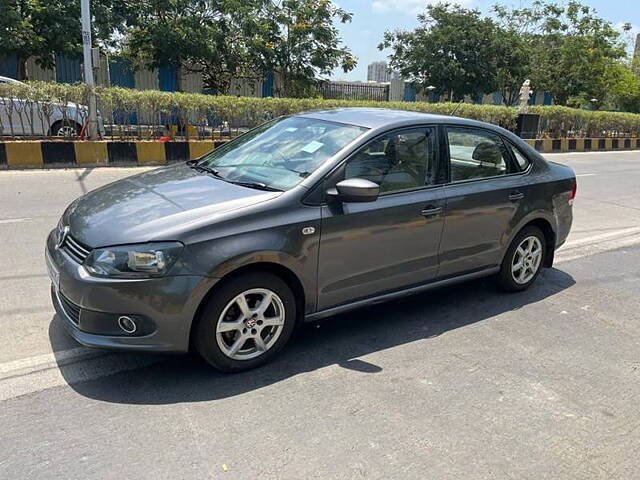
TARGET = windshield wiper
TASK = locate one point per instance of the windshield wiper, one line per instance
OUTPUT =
(204, 168)
(256, 185)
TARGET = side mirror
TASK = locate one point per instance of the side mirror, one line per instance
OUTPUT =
(354, 190)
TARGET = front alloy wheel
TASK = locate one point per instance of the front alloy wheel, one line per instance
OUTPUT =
(246, 321)
(250, 324)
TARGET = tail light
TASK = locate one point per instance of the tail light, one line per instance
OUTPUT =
(572, 195)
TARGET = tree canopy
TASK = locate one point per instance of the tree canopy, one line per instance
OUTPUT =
(567, 50)
(223, 39)
(453, 49)
(42, 28)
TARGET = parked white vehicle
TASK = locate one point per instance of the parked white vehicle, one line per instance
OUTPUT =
(20, 117)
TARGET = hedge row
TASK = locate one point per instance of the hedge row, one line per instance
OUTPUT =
(125, 108)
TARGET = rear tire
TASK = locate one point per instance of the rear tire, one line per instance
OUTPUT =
(66, 129)
(523, 261)
(245, 322)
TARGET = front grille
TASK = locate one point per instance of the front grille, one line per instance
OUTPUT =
(75, 249)
(70, 309)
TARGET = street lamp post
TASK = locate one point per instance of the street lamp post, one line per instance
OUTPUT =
(92, 126)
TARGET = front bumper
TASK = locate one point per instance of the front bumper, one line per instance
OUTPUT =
(89, 307)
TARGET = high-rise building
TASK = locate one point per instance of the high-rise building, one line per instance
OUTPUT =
(377, 72)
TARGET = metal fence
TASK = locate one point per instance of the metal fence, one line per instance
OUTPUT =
(354, 91)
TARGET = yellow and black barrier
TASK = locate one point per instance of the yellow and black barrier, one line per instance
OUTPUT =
(570, 145)
(49, 154)
(45, 154)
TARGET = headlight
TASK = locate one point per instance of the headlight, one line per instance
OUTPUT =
(133, 261)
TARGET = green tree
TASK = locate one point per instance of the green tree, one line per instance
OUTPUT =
(42, 28)
(211, 37)
(570, 47)
(623, 88)
(452, 49)
(299, 41)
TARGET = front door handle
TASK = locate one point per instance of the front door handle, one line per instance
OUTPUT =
(430, 211)
(515, 196)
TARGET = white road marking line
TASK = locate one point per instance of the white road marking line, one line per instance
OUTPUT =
(43, 361)
(585, 247)
(597, 248)
(586, 175)
(13, 220)
(603, 236)
(67, 367)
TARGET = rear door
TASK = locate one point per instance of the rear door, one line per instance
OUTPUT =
(484, 196)
(371, 248)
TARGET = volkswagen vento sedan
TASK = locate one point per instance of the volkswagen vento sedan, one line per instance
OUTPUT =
(304, 217)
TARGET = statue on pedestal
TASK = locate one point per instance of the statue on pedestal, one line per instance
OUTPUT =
(525, 93)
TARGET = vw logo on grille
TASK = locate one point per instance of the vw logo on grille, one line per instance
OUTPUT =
(62, 236)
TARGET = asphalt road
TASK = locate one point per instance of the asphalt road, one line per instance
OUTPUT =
(465, 382)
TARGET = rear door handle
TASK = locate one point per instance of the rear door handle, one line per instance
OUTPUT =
(430, 211)
(515, 196)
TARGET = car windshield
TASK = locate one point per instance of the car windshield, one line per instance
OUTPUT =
(280, 153)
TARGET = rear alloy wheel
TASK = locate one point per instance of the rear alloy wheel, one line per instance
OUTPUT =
(246, 322)
(66, 129)
(523, 260)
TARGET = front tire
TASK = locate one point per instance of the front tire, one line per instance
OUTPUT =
(245, 322)
(523, 261)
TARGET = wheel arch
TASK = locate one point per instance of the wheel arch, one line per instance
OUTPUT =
(61, 122)
(277, 269)
(546, 226)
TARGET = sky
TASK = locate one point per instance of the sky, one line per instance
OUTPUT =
(372, 17)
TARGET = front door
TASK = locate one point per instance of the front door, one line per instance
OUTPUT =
(392, 243)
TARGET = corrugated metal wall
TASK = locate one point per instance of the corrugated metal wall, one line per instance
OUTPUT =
(146, 80)
(8, 66)
(68, 69)
(36, 72)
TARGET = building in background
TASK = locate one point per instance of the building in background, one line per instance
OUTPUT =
(379, 72)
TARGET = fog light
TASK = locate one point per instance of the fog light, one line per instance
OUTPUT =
(127, 324)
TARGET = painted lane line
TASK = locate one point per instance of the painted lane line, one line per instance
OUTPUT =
(46, 360)
(13, 220)
(600, 237)
(35, 374)
(593, 249)
(586, 175)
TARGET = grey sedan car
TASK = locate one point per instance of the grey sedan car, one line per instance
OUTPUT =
(304, 217)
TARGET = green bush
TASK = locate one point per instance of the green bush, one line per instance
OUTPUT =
(122, 106)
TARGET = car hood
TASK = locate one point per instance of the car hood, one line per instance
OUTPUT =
(157, 205)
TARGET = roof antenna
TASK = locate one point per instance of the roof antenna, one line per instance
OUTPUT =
(457, 106)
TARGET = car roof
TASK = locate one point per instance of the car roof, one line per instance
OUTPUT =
(371, 117)
(10, 80)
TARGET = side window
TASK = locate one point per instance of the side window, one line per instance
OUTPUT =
(522, 161)
(397, 161)
(475, 153)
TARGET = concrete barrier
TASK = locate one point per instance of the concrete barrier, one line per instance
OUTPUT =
(48, 154)
(51, 154)
(568, 145)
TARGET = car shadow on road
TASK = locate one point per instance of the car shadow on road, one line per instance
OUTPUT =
(340, 340)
